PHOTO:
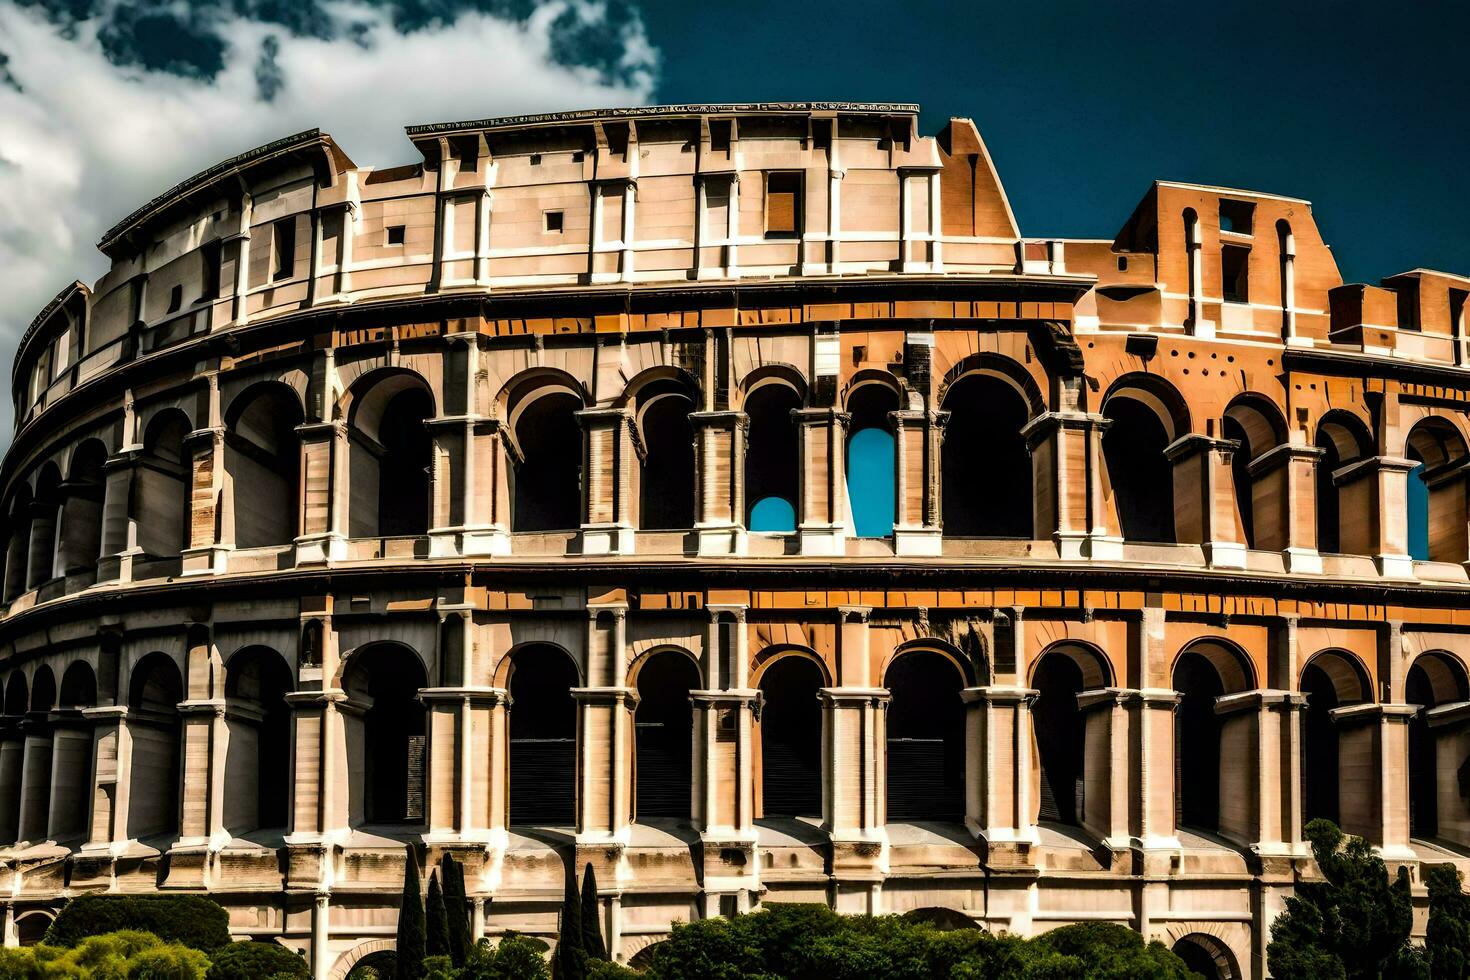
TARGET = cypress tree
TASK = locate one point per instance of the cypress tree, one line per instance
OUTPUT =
(1447, 937)
(409, 957)
(437, 941)
(570, 961)
(591, 917)
(457, 909)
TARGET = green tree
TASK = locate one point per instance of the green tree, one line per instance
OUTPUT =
(592, 917)
(250, 961)
(569, 962)
(192, 920)
(457, 909)
(437, 940)
(1447, 937)
(409, 961)
(1353, 924)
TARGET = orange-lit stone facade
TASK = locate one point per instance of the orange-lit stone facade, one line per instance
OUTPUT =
(355, 509)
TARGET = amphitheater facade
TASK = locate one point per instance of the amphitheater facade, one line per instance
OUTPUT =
(731, 497)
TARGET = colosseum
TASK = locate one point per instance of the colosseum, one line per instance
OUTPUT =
(731, 497)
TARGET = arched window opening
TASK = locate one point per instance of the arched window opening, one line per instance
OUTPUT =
(870, 460)
(257, 763)
(1434, 680)
(1320, 765)
(1257, 426)
(1333, 680)
(78, 686)
(43, 691)
(548, 481)
(45, 510)
(1141, 475)
(162, 487)
(985, 467)
(666, 478)
(664, 725)
(155, 729)
(391, 457)
(1207, 956)
(71, 777)
(1197, 743)
(17, 695)
(18, 545)
(1343, 440)
(263, 465)
(791, 739)
(79, 539)
(543, 738)
(388, 746)
(772, 462)
(926, 738)
(1436, 493)
(1060, 738)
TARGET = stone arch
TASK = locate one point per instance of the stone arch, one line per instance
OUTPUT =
(1236, 671)
(985, 465)
(925, 731)
(1093, 666)
(1257, 424)
(1209, 796)
(346, 961)
(968, 669)
(772, 451)
(31, 925)
(661, 377)
(1206, 954)
(1344, 438)
(18, 544)
(79, 535)
(789, 733)
(869, 452)
(257, 787)
(389, 453)
(161, 485)
(155, 688)
(661, 401)
(1330, 679)
(45, 519)
(71, 755)
(262, 461)
(640, 659)
(1436, 506)
(663, 732)
(996, 366)
(773, 373)
(17, 693)
(43, 689)
(1059, 675)
(545, 444)
(767, 657)
(1146, 415)
(78, 685)
(543, 734)
(1434, 680)
(386, 730)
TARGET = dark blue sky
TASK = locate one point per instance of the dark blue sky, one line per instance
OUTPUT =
(1360, 108)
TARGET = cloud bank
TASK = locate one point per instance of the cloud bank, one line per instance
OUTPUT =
(104, 106)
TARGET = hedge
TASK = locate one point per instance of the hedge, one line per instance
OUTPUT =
(191, 920)
(252, 961)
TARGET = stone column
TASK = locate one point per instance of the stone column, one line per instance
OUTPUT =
(854, 737)
(1106, 769)
(323, 536)
(917, 435)
(998, 772)
(1204, 498)
(609, 505)
(205, 551)
(719, 462)
(318, 808)
(12, 763)
(112, 754)
(1373, 758)
(68, 807)
(1069, 481)
(821, 512)
(605, 751)
(1377, 489)
(1284, 505)
(467, 752)
(41, 561)
(35, 780)
(1260, 773)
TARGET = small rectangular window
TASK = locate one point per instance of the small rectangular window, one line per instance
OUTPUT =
(1122, 263)
(553, 221)
(1237, 216)
(175, 299)
(578, 156)
(535, 159)
(395, 235)
(285, 249)
(719, 135)
(1235, 263)
(1408, 303)
(783, 205)
(211, 256)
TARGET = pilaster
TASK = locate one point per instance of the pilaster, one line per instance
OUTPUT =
(1373, 758)
(607, 498)
(1068, 477)
(1284, 505)
(1376, 489)
(822, 518)
(917, 436)
(1204, 498)
(719, 504)
(998, 772)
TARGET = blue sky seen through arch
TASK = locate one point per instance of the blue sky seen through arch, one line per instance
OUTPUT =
(870, 482)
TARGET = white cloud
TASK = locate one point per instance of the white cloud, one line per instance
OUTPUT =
(85, 141)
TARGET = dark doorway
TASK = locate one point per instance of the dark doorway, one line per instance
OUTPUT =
(1197, 743)
(664, 725)
(403, 469)
(1320, 763)
(791, 739)
(255, 690)
(984, 463)
(388, 678)
(1141, 475)
(667, 479)
(926, 739)
(548, 492)
(543, 738)
(1060, 734)
(772, 465)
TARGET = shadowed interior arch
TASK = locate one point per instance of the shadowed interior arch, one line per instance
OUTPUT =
(1343, 439)
(79, 538)
(1141, 476)
(154, 693)
(666, 476)
(258, 720)
(791, 739)
(548, 478)
(543, 737)
(1434, 680)
(664, 727)
(772, 464)
(1330, 680)
(390, 456)
(263, 463)
(926, 738)
(984, 463)
(162, 487)
(870, 460)
(387, 740)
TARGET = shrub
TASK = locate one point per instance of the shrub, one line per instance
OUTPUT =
(172, 962)
(250, 961)
(1111, 951)
(516, 957)
(190, 920)
(126, 955)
